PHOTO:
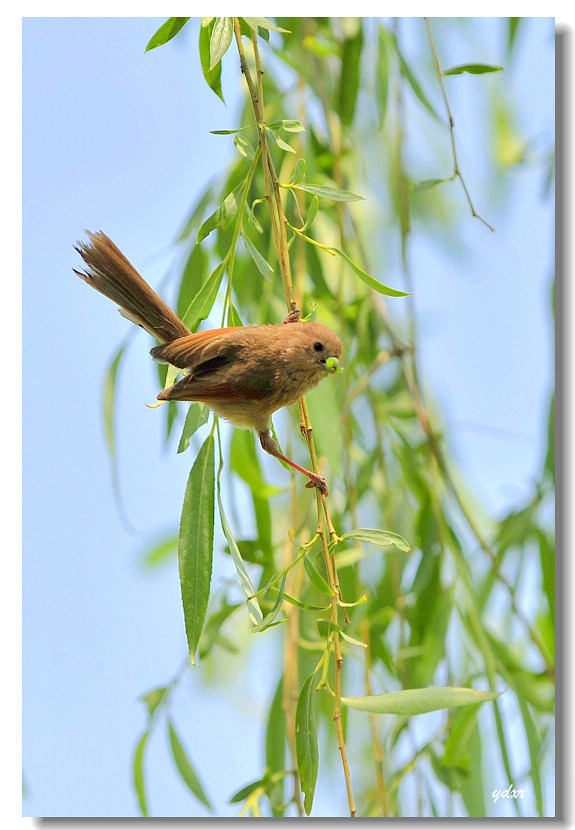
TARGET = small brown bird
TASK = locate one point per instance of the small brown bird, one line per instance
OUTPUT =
(244, 374)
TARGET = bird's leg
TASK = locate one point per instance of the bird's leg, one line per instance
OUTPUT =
(293, 316)
(270, 446)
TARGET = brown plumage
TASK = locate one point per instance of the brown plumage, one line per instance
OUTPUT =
(244, 374)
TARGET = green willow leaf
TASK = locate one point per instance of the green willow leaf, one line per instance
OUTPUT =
(288, 124)
(316, 578)
(418, 701)
(350, 76)
(268, 620)
(195, 545)
(248, 790)
(254, 609)
(254, 22)
(413, 82)
(138, 773)
(456, 754)
(332, 193)
(307, 751)
(283, 145)
(185, 767)
(166, 32)
(198, 414)
(325, 627)
(262, 264)
(472, 69)
(304, 605)
(154, 698)
(368, 280)
(422, 187)
(109, 400)
(221, 39)
(382, 538)
(275, 746)
(298, 172)
(244, 147)
(213, 76)
(231, 132)
(223, 214)
(159, 551)
(382, 75)
(512, 29)
(202, 303)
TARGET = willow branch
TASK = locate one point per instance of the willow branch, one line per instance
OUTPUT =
(456, 169)
(279, 227)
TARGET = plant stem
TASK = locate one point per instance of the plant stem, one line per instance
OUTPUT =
(279, 228)
(456, 169)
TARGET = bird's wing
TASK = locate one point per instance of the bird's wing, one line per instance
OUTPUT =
(203, 347)
(213, 387)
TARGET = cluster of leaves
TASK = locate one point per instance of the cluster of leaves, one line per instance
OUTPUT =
(419, 622)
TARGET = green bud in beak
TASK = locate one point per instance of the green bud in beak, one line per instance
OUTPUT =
(332, 365)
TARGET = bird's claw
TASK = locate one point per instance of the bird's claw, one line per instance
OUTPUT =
(318, 481)
(293, 316)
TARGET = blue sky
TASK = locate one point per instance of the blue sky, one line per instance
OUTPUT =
(119, 140)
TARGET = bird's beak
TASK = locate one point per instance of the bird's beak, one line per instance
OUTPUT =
(332, 365)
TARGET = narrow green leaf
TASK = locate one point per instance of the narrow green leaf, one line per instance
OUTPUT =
(254, 609)
(221, 39)
(268, 620)
(247, 790)
(192, 279)
(288, 124)
(368, 280)
(198, 414)
(109, 400)
(262, 264)
(330, 192)
(456, 753)
(512, 30)
(204, 300)
(422, 187)
(211, 633)
(185, 767)
(275, 745)
(231, 132)
(254, 22)
(325, 627)
(159, 551)
(382, 538)
(472, 69)
(311, 213)
(316, 578)
(382, 75)
(283, 145)
(299, 604)
(213, 76)
(195, 546)
(298, 172)
(223, 214)
(534, 746)
(166, 32)
(138, 773)
(413, 82)
(349, 77)
(244, 147)
(306, 741)
(154, 698)
(234, 319)
(418, 701)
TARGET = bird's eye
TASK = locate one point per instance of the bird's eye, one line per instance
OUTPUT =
(318, 347)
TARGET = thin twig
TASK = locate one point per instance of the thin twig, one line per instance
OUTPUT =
(279, 227)
(456, 169)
